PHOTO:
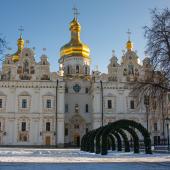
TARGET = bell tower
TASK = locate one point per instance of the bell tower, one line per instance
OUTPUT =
(75, 55)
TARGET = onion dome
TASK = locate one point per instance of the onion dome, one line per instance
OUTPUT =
(20, 43)
(129, 45)
(75, 47)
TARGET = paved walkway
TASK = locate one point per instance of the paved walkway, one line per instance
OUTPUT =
(86, 166)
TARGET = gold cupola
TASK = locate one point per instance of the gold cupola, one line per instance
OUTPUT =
(75, 47)
(20, 43)
(129, 45)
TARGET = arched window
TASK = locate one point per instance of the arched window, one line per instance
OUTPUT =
(76, 108)
(77, 69)
(68, 70)
(32, 70)
(86, 70)
(131, 69)
(24, 103)
(125, 72)
(87, 108)
(26, 67)
(48, 126)
(19, 70)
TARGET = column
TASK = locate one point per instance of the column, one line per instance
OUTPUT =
(60, 114)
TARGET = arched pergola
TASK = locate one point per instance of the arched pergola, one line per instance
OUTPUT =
(100, 140)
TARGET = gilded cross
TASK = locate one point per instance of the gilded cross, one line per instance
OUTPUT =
(21, 29)
(129, 34)
(75, 12)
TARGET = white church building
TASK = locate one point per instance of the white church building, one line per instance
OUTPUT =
(43, 108)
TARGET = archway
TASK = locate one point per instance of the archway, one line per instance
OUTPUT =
(98, 139)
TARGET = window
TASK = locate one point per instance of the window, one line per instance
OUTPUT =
(86, 90)
(155, 127)
(47, 126)
(24, 103)
(77, 69)
(87, 108)
(32, 70)
(146, 100)
(48, 103)
(76, 108)
(132, 104)
(76, 126)
(66, 90)
(68, 70)
(86, 70)
(66, 108)
(0, 103)
(154, 103)
(109, 104)
(23, 126)
(66, 132)
(26, 67)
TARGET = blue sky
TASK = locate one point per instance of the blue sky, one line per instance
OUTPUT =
(104, 25)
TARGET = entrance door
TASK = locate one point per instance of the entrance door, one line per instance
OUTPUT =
(48, 140)
(77, 140)
(156, 140)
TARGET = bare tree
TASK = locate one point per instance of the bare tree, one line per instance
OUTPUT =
(158, 40)
(155, 83)
(3, 47)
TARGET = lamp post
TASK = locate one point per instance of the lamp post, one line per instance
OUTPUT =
(167, 126)
(56, 113)
(146, 103)
(102, 99)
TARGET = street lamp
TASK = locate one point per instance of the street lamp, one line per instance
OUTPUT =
(167, 125)
(146, 103)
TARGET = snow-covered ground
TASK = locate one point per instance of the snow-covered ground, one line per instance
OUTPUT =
(69, 159)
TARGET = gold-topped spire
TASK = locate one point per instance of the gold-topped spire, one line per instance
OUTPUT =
(20, 41)
(20, 44)
(129, 44)
(75, 47)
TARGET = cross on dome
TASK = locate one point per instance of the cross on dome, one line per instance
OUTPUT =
(129, 34)
(75, 12)
(21, 29)
(113, 52)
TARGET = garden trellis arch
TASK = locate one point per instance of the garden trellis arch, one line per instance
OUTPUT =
(99, 139)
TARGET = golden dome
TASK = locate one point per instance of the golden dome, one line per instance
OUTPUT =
(20, 43)
(129, 45)
(15, 58)
(75, 26)
(75, 47)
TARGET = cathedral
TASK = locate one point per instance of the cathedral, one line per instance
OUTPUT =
(43, 108)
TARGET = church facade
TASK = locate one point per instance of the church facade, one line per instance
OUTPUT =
(39, 107)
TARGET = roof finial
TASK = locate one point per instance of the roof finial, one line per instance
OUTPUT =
(21, 29)
(113, 52)
(75, 12)
(129, 34)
